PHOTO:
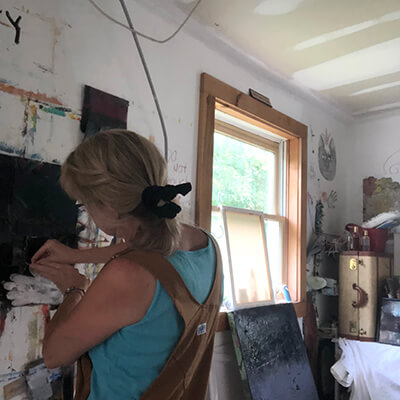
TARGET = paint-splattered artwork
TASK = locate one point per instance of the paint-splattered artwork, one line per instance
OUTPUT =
(36, 129)
(380, 195)
(271, 354)
(90, 236)
(102, 111)
(327, 156)
(33, 208)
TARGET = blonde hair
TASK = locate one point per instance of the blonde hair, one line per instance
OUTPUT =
(113, 168)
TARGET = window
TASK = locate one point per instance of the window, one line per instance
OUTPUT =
(248, 190)
(252, 167)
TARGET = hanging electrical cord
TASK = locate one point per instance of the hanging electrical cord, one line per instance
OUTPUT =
(153, 91)
(135, 38)
(98, 8)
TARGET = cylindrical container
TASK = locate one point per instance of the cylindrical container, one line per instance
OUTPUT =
(286, 293)
(355, 239)
(365, 244)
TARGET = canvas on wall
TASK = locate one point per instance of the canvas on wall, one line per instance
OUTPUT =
(33, 208)
(380, 195)
(102, 110)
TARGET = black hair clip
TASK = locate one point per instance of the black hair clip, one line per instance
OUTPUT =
(152, 195)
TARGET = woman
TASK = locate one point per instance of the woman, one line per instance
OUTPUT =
(148, 319)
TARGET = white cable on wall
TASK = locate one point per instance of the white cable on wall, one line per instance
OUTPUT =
(146, 70)
(98, 8)
(135, 38)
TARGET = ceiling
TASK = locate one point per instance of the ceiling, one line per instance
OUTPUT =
(345, 50)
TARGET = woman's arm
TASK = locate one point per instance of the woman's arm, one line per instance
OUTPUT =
(119, 296)
(54, 251)
(99, 254)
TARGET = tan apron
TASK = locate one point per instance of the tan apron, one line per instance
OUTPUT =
(186, 372)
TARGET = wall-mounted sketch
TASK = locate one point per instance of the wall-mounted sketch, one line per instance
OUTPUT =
(391, 167)
(319, 217)
(327, 156)
(331, 199)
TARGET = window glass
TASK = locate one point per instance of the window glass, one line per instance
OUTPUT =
(243, 175)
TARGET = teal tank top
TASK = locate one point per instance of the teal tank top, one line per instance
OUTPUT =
(126, 363)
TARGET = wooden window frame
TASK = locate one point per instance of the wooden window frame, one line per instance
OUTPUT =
(215, 94)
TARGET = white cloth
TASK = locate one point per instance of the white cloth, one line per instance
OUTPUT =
(371, 369)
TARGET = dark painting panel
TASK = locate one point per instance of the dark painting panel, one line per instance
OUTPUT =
(271, 353)
(102, 110)
(33, 209)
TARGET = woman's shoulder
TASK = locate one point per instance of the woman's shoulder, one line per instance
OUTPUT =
(192, 238)
(132, 285)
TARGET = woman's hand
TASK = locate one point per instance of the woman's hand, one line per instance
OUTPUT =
(54, 251)
(63, 275)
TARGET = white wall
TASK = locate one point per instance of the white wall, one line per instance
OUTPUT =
(375, 152)
(82, 47)
(66, 44)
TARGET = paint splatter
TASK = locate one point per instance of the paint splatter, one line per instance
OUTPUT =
(5, 148)
(44, 68)
(26, 116)
(33, 117)
(74, 117)
(60, 111)
(7, 82)
(46, 313)
(28, 94)
(36, 156)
